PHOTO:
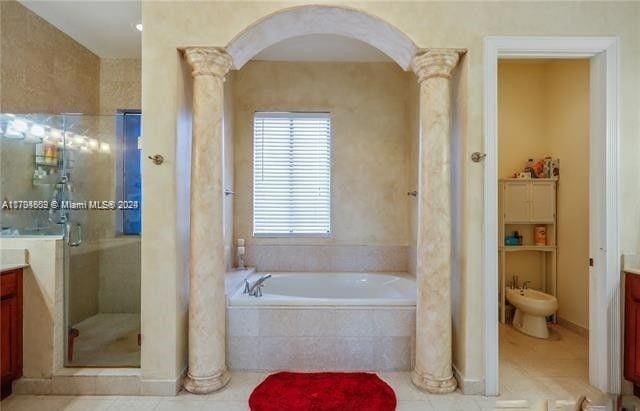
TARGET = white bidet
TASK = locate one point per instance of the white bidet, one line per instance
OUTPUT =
(532, 308)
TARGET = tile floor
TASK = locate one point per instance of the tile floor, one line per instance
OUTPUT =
(532, 371)
(107, 340)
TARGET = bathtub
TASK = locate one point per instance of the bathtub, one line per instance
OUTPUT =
(324, 321)
(313, 289)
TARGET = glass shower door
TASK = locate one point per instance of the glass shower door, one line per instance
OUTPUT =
(102, 242)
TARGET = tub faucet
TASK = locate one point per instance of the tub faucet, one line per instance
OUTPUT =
(255, 289)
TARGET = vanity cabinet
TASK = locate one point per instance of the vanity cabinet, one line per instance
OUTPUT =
(632, 330)
(10, 328)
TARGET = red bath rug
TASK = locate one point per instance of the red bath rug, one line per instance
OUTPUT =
(322, 391)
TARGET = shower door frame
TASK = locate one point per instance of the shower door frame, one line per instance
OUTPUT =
(605, 289)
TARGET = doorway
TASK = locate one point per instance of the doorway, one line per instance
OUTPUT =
(604, 281)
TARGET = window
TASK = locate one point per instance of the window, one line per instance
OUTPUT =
(131, 178)
(291, 174)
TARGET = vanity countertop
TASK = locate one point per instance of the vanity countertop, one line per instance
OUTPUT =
(11, 259)
(631, 263)
(7, 267)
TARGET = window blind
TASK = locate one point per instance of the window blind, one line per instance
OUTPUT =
(291, 174)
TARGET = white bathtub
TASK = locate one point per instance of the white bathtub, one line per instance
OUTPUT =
(324, 321)
(335, 289)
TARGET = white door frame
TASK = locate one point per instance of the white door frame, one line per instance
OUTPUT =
(604, 288)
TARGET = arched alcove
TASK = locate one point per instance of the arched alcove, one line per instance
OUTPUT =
(303, 20)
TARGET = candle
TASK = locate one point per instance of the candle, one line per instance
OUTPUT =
(241, 242)
(240, 250)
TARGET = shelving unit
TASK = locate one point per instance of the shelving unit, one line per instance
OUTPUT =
(525, 204)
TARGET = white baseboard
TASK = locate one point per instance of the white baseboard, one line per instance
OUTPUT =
(98, 385)
(468, 386)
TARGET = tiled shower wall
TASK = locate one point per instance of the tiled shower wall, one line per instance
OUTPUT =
(49, 72)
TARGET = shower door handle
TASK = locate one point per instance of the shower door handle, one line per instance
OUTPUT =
(79, 236)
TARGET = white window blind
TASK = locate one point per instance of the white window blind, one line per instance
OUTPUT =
(291, 174)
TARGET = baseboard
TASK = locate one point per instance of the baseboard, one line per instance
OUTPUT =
(164, 388)
(468, 386)
(584, 332)
(88, 384)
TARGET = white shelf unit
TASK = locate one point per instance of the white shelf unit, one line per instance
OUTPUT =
(526, 203)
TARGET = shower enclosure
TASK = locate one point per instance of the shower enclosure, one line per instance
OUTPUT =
(78, 177)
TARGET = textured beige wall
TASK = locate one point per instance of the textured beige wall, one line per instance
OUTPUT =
(522, 104)
(569, 135)
(370, 143)
(228, 170)
(43, 69)
(120, 85)
(169, 25)
(544, 109)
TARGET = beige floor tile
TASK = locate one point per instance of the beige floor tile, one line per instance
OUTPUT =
(88, 404)
(225, 406)
(454, 402)
(414, 406)
(180, 404)
(403, 387)
(134, 404)
(33, 402)
(532, 368)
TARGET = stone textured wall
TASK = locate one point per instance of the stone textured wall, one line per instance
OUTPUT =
(120, 85)
(43, 69)
(371, 140)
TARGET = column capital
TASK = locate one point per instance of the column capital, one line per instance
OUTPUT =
(208, 61)
(434, 63)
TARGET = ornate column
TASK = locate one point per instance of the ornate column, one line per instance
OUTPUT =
(207, 327)
(433, 371)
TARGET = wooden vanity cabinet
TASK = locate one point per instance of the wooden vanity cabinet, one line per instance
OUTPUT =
(632, 330)
(10, 329)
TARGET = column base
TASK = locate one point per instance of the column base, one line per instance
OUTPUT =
(433, 386)
(205, 385)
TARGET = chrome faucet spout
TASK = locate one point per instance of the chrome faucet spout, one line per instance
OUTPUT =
(255, 289)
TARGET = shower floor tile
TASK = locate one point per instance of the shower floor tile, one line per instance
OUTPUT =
(107, 340)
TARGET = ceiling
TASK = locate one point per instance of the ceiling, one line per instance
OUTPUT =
(321, 47)
(106, 27)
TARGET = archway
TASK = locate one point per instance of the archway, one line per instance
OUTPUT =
(207, 307)
(302, 20)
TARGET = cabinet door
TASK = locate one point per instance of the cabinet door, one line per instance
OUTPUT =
(543, 202)
(10, 329)
(632, 328)
(516, 202)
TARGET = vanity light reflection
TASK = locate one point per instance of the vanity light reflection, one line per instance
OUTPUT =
(16, 128)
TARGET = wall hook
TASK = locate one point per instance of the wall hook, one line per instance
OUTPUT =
(157, 159)
(413, 193)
